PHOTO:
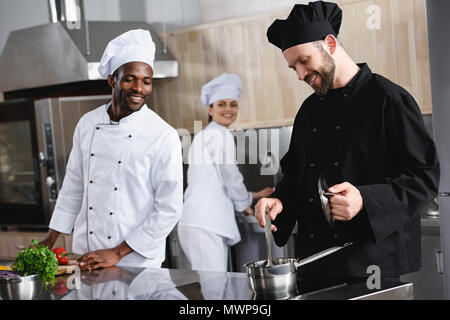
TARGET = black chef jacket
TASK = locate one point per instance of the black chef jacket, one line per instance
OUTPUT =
(371, 134)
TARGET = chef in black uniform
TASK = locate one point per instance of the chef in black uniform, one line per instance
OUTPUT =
(366, 136)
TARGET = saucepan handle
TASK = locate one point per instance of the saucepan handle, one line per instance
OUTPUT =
(321, 254)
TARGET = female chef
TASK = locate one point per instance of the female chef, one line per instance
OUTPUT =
(215, 186)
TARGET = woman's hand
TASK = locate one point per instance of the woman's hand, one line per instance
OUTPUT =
(249, 211)
(263, 193)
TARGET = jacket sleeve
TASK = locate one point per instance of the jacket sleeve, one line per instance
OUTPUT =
(149, 238)
(232, 179)
(414, 182)
(233, 183)
(287, 190)
(70, 197)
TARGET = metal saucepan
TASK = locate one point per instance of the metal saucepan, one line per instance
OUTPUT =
(21, 288)
(324, 197)
(282, 275)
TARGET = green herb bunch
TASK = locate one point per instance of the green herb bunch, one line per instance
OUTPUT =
(37, 260)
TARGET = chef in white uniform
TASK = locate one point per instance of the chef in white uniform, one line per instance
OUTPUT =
(215, 187)
(124, 283)
(122, 193)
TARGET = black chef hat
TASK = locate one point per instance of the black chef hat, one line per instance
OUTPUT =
(306, 23)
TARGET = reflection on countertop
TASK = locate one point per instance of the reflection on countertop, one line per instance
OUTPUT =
(128, 283)
(131, 283)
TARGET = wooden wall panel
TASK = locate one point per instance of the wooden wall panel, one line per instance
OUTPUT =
(422, 63)
(250, 72)
(11, 242)
(386, 45)
(272, 93)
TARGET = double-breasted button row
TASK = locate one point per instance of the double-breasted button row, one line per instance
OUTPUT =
(115, 187)
(129, 136)
(312, 164)
(312, 235)
(92, 208)
(345, 95)
(337, 127)
(119, 161)
(92, 232)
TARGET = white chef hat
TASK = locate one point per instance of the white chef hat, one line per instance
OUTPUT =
(134, 45)
(225, 86)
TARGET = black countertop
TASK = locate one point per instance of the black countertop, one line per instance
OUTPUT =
(126, 283)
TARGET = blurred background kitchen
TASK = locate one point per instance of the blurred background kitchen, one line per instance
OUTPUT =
(50, 50)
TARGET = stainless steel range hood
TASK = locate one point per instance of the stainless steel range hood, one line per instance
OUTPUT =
(54, 53)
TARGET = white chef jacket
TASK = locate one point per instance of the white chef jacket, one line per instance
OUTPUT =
(148, 284)
(215, 187)
(123, 181)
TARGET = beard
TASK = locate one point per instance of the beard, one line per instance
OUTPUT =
(124, 104)
(326, 73)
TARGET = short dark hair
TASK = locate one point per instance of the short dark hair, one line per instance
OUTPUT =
(116, 73)
(318, 43)
(209, 116)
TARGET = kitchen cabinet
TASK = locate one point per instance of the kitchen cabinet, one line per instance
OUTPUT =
(13, 241)
(429, 280)
(390, 35)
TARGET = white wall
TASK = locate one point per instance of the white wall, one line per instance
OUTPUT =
(176, 14)
(173, 14)
(167, 14)
(102, 10)
(20, 14)
(214, 10)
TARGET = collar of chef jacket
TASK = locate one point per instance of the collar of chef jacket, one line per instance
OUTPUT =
(131, 118)
(359, 81)
(217, 125)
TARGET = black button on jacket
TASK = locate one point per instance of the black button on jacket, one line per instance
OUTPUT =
(382, 148)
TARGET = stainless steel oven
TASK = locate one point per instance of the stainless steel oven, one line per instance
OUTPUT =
(35, 143)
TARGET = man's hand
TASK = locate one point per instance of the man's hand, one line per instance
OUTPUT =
(275, 207)
(109, 274)
(50, 239)
(346, 205)
(103, 258)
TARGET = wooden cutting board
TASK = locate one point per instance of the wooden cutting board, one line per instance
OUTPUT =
(67, 268)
